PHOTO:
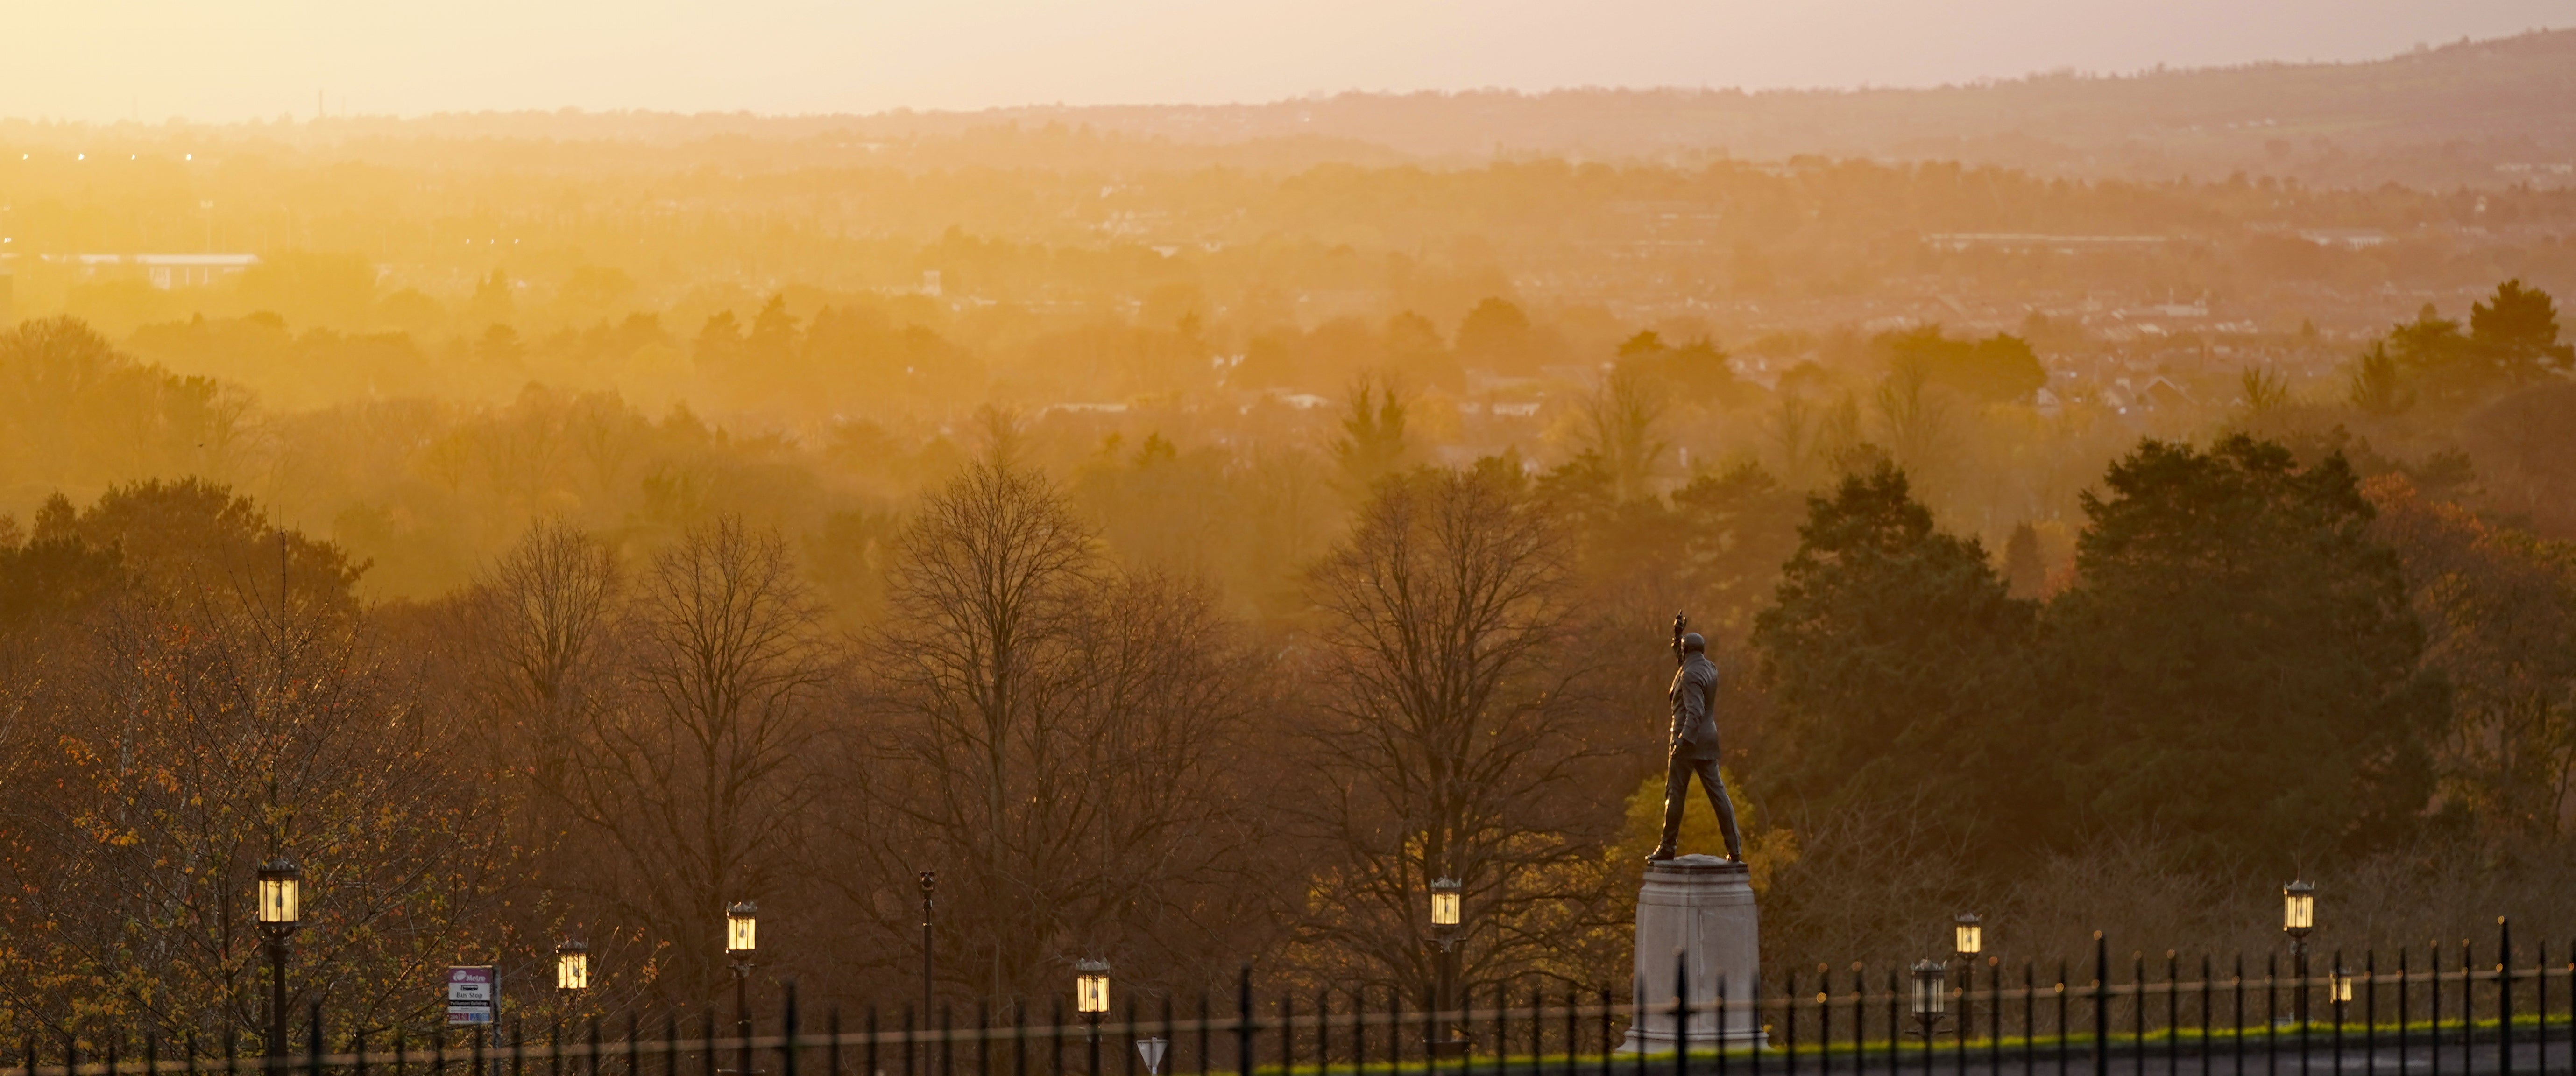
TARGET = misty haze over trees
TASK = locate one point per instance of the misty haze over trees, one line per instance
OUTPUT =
(569, 525)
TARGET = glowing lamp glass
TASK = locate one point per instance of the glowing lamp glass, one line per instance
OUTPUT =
(2299, 907)
(2342, 986)
(742, 928)
(281, 896)
(572, 966)
(1091, 987)
(1971, 935)
(1444, 903)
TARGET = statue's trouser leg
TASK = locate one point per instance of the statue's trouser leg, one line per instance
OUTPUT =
(1717, 798)
(1676, 789)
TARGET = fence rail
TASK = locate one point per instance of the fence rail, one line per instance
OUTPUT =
(2462, 1020)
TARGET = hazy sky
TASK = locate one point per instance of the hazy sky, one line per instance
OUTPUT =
(229, 59)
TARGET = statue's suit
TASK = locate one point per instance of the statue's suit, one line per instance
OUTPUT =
(1694, 750)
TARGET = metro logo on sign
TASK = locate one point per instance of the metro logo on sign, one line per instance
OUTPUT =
(473, 994)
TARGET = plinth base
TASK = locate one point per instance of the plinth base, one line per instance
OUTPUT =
(1696, 928)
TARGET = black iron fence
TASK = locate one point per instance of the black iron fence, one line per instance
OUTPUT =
(2441, 1012)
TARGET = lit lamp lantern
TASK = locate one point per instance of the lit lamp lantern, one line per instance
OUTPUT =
(1444, 903)
(1445, 1041)
(281, 910)
(2298, 919)
(742, 935)
(281, 897)
(742, 929)
(1971, 935)
(1091, 987)
(572, 966)
(1931, 995)
(1091, 999)
(2342, 986)
(2299, 908)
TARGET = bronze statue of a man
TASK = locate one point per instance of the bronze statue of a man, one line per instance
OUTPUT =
(1694, 744)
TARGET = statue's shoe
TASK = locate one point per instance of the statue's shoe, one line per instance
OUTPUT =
(1661, 855)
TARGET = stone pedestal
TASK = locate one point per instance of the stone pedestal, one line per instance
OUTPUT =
(1697, 912)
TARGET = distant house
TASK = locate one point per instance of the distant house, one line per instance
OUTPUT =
(2021, 242)
(2162, 392)
(2347, 238)
(164, 271)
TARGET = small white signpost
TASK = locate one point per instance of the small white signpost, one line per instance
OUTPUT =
(473, 994)
(1152, 1049)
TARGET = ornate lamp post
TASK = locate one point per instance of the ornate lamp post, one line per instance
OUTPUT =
(2298, 919)
(929, 882)
(1968, 938)
(281, 911)
(1091, 999)
(1931, 996)
(742, 936)
(572, 966)
(1446, 915)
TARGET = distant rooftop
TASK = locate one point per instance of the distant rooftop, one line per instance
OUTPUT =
(214, 261)
(164, 271)
(2034, 241)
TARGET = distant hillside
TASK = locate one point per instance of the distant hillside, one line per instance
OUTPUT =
(2474, 113)
(2435, 116)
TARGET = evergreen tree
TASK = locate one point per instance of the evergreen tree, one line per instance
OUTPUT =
(2517, 331)
(2000, 367)
(1898, 664)
(719, 342)
(2511, 339)
(2024, 573)
(2376, 388)
(1373, 443)
(2234, 667)
(1415, 353)
(1737, 528)
(494, 299)
(1498, 337)
(774, 336)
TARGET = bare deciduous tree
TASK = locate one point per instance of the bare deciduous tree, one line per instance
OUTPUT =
(1622, 421)
(1454, 733)
(1914, 417)
(541, 621)
(1050, 738)
(697, 773)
